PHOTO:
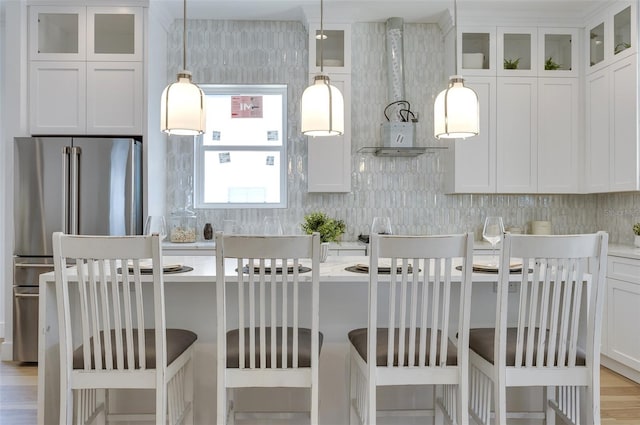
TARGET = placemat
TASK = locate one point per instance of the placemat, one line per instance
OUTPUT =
(301, 269)
(362, 268)
(488, 270)
(182, 269)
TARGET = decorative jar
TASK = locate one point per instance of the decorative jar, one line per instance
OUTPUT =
(182, 226)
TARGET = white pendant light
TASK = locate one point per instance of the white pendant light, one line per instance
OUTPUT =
(456, 110)
(322, 105)
(182, 103)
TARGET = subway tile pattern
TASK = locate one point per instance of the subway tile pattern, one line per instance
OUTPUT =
(409, 190)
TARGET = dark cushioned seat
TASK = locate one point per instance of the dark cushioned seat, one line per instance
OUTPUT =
(358, 337)
(304, 347)
(481, 341)
(178, 340)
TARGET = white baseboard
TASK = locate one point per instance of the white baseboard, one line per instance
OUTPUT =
(6, 351)
(619, 368)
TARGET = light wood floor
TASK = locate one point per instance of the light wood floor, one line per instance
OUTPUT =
(620, 397)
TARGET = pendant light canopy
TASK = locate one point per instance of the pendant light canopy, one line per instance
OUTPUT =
(322, 105)
(456, 110)
(182, 103)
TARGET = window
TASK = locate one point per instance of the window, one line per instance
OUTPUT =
(241, 159)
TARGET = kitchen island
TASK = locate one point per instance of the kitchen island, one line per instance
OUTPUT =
(190, 304)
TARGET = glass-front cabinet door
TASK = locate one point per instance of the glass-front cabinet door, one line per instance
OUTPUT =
(517, 51)
(330, 48)
(612, 35)
(596, 44)
(477, 51)
(114, 34)
(57, 33)
(622, 30)
(558, 52)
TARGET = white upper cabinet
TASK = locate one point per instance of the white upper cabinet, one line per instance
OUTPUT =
(516, 135)
(612, 35)
(612, 161)
(329, 158)
(60, 33)
(527, 81)
(473, 161)
(558, 135)
(86, 70)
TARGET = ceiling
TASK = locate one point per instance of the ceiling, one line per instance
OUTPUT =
(374, 10)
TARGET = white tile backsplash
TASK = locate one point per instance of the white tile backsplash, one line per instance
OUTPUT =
(407, 189)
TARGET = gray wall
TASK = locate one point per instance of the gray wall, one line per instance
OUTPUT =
(407, 189)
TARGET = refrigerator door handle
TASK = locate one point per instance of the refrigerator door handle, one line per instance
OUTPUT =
(75, 189)
(132, 189)
(65, 188)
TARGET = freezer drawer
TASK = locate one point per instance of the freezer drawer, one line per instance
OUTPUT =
(25, 323)
(26, 275)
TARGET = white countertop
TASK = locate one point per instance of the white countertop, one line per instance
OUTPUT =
(626, 251)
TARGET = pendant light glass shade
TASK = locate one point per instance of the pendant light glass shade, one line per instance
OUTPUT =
(182, 106)
(456, 111)
(322, 109)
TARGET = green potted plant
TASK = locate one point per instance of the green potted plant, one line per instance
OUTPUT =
(511, 63)
(330, 229)
(636, 232)
(551, 65)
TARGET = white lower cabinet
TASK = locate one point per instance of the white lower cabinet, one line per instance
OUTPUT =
(622, 341)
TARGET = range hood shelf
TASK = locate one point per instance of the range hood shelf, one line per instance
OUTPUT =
(407, 152)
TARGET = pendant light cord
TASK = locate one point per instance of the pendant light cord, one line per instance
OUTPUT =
(321, 37)
(184, 37)
(455, 37)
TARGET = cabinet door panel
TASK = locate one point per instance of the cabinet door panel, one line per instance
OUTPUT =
(517, 118)
(114, 98)
(558, 135)
(57, 93)
(623, 338)
(624, 129)
(597, 132)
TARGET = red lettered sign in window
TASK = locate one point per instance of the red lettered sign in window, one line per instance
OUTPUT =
(246, 106)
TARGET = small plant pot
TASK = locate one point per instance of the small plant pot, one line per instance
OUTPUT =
(324, 251)
(636, 241)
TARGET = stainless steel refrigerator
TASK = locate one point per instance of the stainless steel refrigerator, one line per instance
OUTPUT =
(78, 185)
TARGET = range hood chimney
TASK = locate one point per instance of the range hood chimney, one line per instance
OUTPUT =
(395, 66)
(398, 131)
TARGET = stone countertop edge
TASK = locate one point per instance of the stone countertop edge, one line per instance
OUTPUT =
(617, 250)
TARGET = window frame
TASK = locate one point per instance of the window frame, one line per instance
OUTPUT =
(200, 147)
